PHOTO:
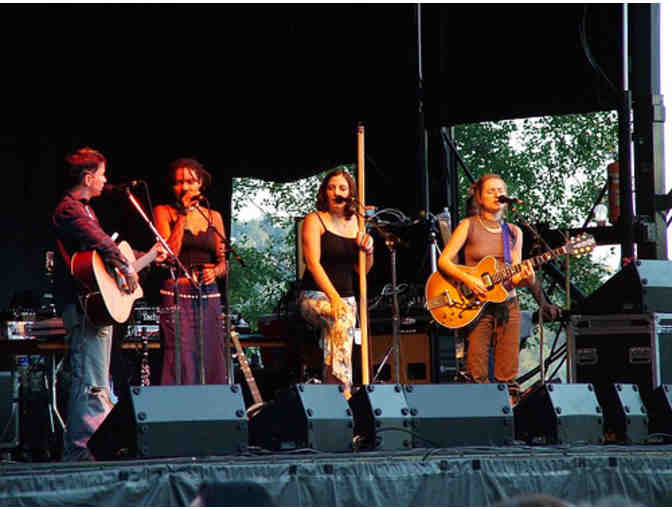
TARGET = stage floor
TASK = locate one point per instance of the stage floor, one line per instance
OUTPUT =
(466, 476)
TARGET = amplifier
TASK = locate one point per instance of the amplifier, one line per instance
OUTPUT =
(633, 348)
(382, 324)
(414, 356)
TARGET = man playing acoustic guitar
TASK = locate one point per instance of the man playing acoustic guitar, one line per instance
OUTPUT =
(77, 229)
(499, 323)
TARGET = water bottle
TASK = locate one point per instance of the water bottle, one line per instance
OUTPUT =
(445, 225)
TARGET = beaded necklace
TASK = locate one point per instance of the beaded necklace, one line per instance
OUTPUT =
(491, 230)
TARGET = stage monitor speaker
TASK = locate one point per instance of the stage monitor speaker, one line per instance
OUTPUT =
(444, 415)
(414, 355)
(9, 411)
(625, 416)
(313, 416)
(382, 417)
(559, 413)
(660, 413)
(173, 421)
(641, 287)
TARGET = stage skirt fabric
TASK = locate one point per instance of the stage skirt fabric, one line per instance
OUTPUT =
(194, 311)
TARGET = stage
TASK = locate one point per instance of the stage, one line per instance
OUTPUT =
(468, 476)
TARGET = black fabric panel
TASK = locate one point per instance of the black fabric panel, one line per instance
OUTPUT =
(455, 477)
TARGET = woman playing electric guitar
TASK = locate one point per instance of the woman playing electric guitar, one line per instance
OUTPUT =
(481, 235)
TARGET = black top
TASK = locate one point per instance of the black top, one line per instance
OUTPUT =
(338, 256)
(199, 249)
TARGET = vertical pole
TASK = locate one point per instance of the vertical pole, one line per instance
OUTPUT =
(648, 112)
(363, 309)
(624, 151)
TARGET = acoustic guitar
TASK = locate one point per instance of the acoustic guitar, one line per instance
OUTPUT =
(249, 377)
(453, 305)
(106, 303)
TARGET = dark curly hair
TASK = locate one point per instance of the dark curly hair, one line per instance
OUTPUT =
(79, 163)
(192, 164)
(322, 201)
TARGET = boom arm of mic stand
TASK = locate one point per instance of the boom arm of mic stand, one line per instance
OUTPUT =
(159, 237)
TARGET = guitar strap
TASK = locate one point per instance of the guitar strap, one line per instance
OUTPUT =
(506, 239)
(64, 253)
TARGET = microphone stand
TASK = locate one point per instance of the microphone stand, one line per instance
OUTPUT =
(227, 309)
(164, 243)
(392, 242)
(540, 242)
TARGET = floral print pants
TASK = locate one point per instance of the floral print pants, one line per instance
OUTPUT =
(337, 335)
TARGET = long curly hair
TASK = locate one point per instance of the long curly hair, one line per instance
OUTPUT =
(322, 201)
(192, 164)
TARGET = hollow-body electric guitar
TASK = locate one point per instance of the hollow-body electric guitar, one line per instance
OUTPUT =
(106, 303)
(453, 305)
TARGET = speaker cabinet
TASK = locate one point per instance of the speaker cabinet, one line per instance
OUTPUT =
(631, 348)
(173, 421)
(9, 410)
(313, 416)
(641, 287)
(445, 415)
(414, 356)
(625, 416)
(382, 417)
(559, 413)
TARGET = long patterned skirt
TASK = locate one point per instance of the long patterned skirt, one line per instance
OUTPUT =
(193, 316)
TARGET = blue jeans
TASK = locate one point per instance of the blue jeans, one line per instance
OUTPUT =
(89, 402)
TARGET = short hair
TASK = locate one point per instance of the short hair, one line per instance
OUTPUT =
(322, 201)
(193, 165)
(82, 161)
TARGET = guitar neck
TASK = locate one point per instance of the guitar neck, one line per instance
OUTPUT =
(510, 271)
(145, 260)
(245, 368)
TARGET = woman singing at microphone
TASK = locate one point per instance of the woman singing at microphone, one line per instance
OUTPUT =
(194, 240)
(331, 243)
(482, 234)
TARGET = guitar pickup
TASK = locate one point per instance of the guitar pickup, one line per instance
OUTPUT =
(447, 300)
(487, 280)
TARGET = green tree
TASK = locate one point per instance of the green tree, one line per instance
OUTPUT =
(557, 163)
(267, 245)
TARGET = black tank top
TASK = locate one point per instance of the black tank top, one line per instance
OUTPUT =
(199, 249)
(338, 256)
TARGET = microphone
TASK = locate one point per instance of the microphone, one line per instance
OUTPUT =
(339, 199)
(503, 199)
(121, 187)
(197, 198)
